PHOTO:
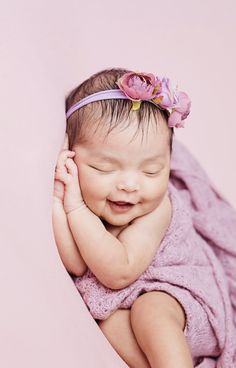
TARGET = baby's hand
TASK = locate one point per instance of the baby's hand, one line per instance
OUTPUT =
(58, 192)
(67, 173)
(59, 186)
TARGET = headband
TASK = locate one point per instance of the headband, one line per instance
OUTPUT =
(139, 87)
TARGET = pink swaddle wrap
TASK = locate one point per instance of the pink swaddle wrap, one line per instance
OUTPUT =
(195, 263)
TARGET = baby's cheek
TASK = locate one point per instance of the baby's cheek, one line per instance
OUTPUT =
(156, 190)
(93, 189)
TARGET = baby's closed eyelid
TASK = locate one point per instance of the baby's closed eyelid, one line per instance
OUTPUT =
(101, 169)
(151, 174)
(152, 169)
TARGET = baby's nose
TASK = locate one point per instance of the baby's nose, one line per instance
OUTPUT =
(128, 183)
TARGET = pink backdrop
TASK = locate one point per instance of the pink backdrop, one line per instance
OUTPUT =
(48, 47)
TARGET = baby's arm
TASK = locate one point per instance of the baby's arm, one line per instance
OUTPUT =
(118, 262)
(143, 237)
(66, 245)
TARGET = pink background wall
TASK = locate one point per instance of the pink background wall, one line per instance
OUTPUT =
(47, 48)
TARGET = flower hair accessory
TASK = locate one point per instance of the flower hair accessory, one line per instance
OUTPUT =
(146, 87)
(139, 87)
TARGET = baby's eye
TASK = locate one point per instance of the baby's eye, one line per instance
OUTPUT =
(105, 170)
(151, 173)
(153, 170)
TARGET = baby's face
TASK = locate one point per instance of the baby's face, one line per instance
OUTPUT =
(122, 177)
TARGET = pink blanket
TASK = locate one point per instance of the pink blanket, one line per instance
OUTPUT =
(196, 263)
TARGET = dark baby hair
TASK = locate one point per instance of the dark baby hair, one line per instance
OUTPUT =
(115, 110)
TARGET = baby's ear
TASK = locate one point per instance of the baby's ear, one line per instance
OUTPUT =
(66, 142)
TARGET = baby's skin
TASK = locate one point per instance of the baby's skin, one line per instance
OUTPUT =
(111, 210)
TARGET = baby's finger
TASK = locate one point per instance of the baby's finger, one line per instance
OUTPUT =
(62, 175)
(63, 157)
(58, 189)
(66, 153)
(71, 167)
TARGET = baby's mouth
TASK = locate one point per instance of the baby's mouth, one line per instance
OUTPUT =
(120, 206)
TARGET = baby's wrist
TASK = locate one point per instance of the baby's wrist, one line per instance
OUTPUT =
(79, 207)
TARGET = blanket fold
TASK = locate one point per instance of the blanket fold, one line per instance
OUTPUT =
(195, 263)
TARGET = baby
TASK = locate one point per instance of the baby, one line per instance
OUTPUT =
(111, 205)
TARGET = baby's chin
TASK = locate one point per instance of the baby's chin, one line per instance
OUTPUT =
(117, 220)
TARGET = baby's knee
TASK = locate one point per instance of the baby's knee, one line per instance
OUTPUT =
(117, 320)
(158, 305)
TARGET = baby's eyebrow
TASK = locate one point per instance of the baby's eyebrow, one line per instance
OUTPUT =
(153, 158)
(108, 158)
(103, 157)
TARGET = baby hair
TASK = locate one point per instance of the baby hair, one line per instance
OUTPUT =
(113, 110)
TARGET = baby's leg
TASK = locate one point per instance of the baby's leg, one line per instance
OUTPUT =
(118, 331)
(158, 322)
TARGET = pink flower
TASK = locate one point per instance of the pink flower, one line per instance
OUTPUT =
(184, 104)
(180, 111)
(139, 86)
(175, 120)
(167, 94)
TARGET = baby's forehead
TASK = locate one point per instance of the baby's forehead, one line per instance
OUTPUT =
(106, 128)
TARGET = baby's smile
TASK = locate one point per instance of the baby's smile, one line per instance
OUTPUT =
(120, 206)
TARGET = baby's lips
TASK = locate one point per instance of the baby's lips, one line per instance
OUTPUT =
(122, 202)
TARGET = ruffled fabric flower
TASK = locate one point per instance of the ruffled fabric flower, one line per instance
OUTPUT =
(140, 87)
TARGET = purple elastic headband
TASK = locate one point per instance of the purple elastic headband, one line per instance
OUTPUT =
(139, 87)
(98, 96)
